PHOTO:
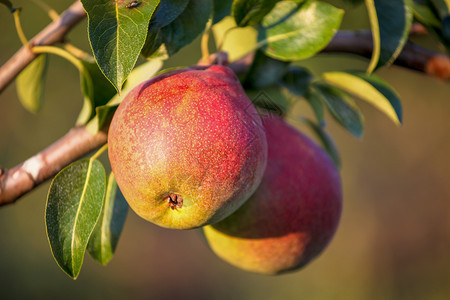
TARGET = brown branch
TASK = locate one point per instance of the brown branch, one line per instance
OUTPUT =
(412, 57)
(16, 182)
(78, 142)
(53, 33)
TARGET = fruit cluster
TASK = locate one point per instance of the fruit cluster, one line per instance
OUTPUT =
(189, 149)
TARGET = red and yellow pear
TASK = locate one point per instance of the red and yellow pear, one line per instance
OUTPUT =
(293, 214)
(187, 147)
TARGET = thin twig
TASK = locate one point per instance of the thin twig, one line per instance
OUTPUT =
(53, 33)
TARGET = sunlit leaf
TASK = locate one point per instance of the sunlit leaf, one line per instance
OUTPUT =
(296, 30)
(73, 207)
(117, 31)
(30, 84)
(103, 241)
(371, 89)
(390, 22)
(237, 41)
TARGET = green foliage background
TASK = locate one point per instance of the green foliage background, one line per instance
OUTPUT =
(392, 243)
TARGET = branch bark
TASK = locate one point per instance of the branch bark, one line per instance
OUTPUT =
(16, 182)
(413, 56)
(53, 33)
(78, 142)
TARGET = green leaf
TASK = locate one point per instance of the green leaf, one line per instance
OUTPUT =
(73, 207)
(236, 42)
(390, 22)
(117, 31)
(105, 236)
(103, 90)
(222, 8)
(442, 7)
(370, 4)
(167, 12)
(295, 30)
(30, 84)
(371, 89)
(265, 71)
(251, 12)
(424, 14)
(180, 32)
(139, 74)
(97, 90)
(326, 140)
(7, 3)
(315, 101)
(342, 108)
(297, 80)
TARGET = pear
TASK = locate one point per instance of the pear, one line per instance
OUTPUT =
(187, 147)
(293, 214)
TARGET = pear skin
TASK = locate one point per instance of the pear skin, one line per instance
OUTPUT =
(293, 214)
(187, 148)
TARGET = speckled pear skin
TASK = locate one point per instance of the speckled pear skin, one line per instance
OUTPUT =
(293, 214)
(191, 134)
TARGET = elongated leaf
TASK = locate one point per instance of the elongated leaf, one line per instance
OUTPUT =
(167, 12)
(424, 14)
(265, 71)
(371, 89)
(297, 80)
(315, 101)
(30, 84)
(222, 8)
(442, 7)
(430, 17)
(327, 142)
(375, 27)
(296, 30)
(104, 238)
(168, 40)
(251, 12)
(73, 207)
(342, 108)
(390, 22)
(139, 74)
(117, 31)
(236, 42)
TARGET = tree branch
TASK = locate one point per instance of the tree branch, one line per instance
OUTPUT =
(16, 182)
(53, 33)
(412, 57)
(78, 142)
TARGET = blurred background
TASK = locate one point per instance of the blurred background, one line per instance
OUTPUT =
(393, 241)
